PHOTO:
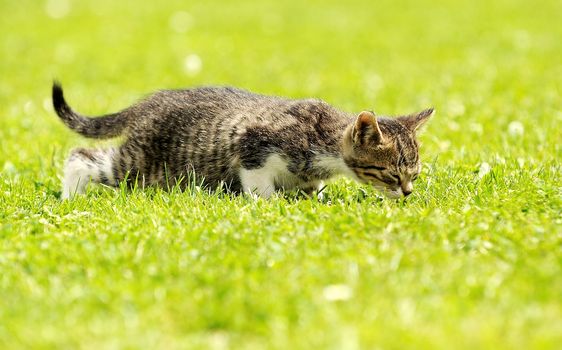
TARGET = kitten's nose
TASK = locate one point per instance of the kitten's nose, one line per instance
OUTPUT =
(407, 188)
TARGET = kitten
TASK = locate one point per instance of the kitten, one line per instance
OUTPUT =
(244, 141)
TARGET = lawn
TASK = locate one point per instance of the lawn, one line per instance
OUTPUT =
(472, 259)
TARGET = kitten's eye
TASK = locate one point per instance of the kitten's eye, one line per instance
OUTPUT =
(394, 179)
(375, 167)
(414, 177)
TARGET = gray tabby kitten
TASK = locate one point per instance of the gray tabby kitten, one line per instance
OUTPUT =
(244, 141)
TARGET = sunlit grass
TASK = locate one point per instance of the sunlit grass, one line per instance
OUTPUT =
(471, 260)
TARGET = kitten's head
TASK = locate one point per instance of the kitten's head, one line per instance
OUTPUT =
(383, 152)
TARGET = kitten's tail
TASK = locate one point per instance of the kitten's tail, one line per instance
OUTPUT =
(106, 126)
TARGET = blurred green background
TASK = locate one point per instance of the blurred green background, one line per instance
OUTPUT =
(481, 64)
(473, 260)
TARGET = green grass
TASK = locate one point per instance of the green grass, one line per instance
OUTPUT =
(473, 259)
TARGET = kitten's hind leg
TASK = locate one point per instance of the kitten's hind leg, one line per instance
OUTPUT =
(84, 166)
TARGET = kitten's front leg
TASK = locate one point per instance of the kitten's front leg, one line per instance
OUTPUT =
(257, 182)
(317, 187)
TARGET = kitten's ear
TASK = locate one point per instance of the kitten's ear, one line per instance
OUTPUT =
(414, 121)
(366, 129)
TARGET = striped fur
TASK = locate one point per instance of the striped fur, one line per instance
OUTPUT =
(222, 136)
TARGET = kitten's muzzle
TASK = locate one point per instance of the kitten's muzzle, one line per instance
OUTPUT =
(397, 193)
(407, 188)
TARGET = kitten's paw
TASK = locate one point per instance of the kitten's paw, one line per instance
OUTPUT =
(255, 195)
(320, 191)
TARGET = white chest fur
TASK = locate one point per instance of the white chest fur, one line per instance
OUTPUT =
(275, 174)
